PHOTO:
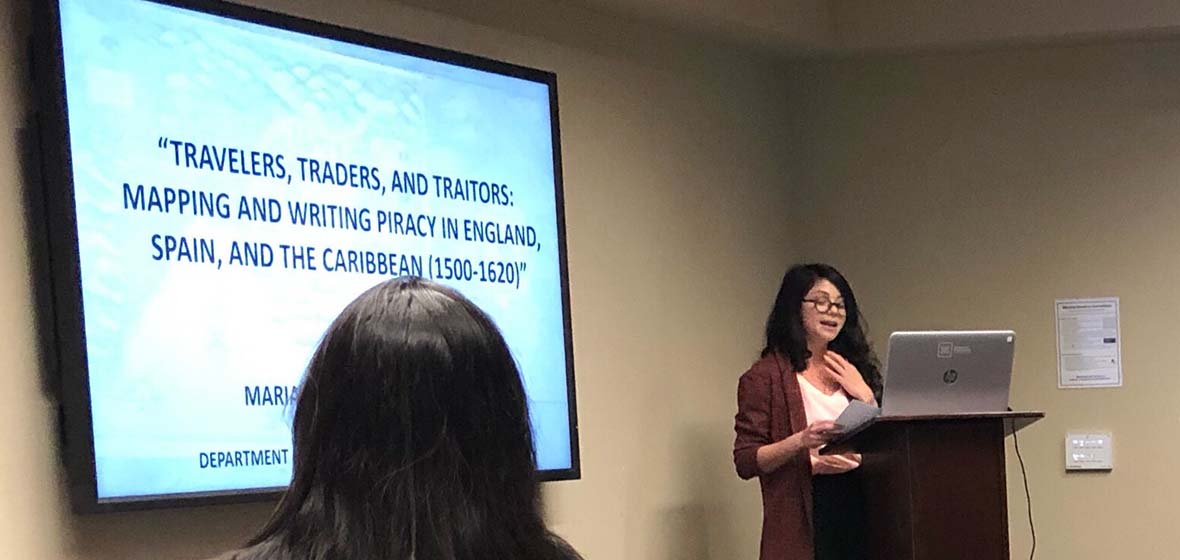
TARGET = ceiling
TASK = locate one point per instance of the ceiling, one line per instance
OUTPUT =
(848, 26)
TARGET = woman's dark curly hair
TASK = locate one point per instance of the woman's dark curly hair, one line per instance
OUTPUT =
(784, 327)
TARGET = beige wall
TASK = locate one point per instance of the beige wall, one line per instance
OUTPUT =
(970, 191)
(676, 238)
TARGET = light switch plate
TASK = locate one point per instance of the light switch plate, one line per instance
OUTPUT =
(1089, 451)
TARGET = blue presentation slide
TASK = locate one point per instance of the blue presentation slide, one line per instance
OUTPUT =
(237, 185)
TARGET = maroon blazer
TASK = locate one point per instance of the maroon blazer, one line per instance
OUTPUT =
(770, 408)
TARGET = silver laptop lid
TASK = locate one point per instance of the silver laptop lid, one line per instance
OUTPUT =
(948, 372)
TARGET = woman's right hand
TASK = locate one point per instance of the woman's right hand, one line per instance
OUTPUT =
(817, 434)
(771, 457)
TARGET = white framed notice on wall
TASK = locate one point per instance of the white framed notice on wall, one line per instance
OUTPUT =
(1089, 343)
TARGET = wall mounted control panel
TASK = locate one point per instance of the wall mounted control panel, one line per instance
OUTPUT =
(1088, 451)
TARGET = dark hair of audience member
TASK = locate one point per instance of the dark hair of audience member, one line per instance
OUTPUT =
(411, 440)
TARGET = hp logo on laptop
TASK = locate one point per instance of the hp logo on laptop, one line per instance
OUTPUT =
(950, 376)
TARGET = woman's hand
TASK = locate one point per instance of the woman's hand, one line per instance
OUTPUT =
(848, 377)
(817, 434)
(772, 456)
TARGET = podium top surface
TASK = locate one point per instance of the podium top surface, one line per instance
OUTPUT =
(851, 441)
(1031, 416)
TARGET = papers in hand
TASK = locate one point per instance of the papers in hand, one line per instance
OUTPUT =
(855, 416)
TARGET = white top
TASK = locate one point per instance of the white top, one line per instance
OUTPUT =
(822, 406)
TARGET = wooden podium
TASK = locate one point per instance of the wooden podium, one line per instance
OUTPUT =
(936, 485)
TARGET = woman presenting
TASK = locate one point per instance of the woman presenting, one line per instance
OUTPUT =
(816, 360)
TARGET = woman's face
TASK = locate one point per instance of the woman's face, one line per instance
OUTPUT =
(823, 312)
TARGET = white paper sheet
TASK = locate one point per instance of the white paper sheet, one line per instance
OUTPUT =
(1089, 343)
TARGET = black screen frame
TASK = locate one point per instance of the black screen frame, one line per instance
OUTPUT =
(65, 314)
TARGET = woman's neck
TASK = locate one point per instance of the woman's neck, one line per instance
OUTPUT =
(814, 371)
(817, 350)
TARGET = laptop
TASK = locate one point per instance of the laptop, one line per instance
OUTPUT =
(948, 372)
(940, 372)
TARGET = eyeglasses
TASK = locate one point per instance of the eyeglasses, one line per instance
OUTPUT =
(824, 306)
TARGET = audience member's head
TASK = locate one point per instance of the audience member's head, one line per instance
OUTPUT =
(412, 440)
